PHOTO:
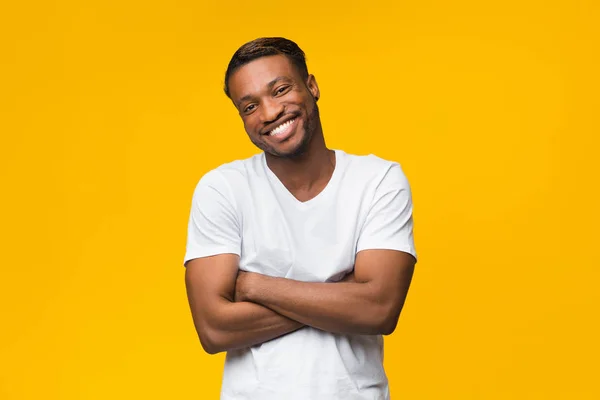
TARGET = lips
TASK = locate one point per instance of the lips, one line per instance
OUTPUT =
(282, 131)
(276, 125)
(282, 128)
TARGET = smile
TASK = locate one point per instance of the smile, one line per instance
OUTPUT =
(283, 128)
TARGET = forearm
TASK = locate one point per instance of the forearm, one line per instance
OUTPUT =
(340, 307)
(241, 325)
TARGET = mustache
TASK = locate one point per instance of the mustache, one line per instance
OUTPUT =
(282, 118)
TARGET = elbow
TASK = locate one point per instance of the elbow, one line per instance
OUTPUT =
(388, 326)
(210, 342)
(387, 320)
(209, 348)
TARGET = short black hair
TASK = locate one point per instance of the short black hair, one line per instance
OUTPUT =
(262, 47)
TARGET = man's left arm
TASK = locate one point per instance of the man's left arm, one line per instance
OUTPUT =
(370, 306)
(371, 302)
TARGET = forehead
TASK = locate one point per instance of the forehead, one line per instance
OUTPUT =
(255, 76)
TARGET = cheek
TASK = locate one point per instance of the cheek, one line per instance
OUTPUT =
(249, 125)
(246, 122)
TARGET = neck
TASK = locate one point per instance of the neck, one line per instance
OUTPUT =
(308, 169)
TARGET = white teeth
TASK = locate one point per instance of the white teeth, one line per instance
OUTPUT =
(281, 128)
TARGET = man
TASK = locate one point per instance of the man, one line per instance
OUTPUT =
(299, 258)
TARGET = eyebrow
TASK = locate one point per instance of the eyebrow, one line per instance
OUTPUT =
(269, 85)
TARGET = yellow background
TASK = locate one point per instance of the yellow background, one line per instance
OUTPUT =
(110, 112)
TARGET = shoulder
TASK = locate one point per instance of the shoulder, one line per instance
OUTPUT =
(374, 170)
(229, 175)
(226, 185)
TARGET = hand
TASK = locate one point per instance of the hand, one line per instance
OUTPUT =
(243, 284)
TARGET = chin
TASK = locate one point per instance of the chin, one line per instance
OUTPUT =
(296, 150)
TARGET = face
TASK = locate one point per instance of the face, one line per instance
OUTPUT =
(277, 105)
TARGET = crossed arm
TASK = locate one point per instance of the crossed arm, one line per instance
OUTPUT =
(233, 310)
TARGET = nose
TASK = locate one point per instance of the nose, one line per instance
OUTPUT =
(271, 110)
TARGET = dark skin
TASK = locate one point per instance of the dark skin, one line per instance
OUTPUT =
(233, 309)
(271, 91)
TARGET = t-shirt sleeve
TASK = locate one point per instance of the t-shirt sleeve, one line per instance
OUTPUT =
(389, 221)
(213, 226)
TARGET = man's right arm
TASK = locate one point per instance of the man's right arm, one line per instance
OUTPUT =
(221, 323)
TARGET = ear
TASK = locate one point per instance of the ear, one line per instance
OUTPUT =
(311, 84)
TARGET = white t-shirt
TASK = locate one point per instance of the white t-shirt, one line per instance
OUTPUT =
(243, 208)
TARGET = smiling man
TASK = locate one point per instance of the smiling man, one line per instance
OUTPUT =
(298, 259)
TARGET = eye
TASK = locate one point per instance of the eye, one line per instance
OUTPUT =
(249, 108)
(281, 89)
